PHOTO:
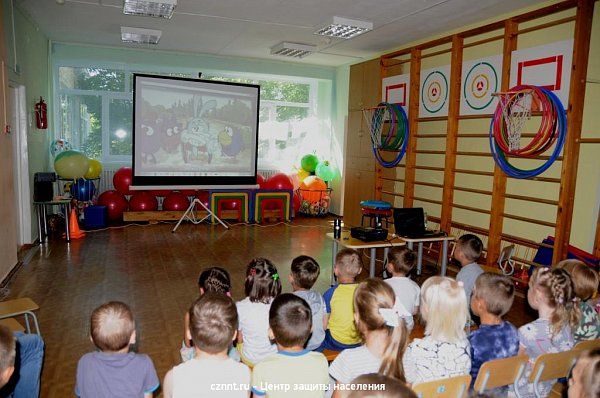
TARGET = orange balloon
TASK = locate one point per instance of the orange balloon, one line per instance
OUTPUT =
(313, 188)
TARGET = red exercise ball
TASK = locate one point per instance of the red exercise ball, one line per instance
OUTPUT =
(115, 203)
(203, 197)
(188, 192)
(279, 181)
(230, 204)
(143, 201)
(122, 180)
(160, 192)
(260, 180)
(175, 201)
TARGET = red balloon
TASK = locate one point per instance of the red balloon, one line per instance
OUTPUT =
(188, 192)
(279, 181)
(122, 180)
(175, 201)
(115, 202)
(260, 180)
(143, 201)
(160, 192)
(230, 204)
(203, 197)
(297, 202)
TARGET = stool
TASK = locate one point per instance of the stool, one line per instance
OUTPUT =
(376, 216)
(280, 198)
(218, 198)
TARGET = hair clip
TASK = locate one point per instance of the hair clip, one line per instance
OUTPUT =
(460, 283)
(560, 300)
(275, 276)
(253, 271)
(392, 316)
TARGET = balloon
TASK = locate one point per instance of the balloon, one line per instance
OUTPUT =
(83, 190)
(71, 164)
(175, 201)
(115, 202)
(302, 174)
(94, 169)
(230, 204)
(295, 180)
(122, 180)
(143, 201)
(279, 181)
(325, 171)
(260, 180)
(312, 188)
(297, 202)
(160, 192)
(188, 192)
(309, 162)
(58, 146)
(203, 197)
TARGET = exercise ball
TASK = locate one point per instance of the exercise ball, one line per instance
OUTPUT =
(312, 188)
(309, 162)
(279, 181)
(260, 181)
(325, 171)
(83, 190)
(94, 169)
(230, 204)
(122, 180)
(71, 164)
(160, 192)
(175, 201)
(58, 146)
(203, 197)
(188, 192)
(143, 201)
(115, 202)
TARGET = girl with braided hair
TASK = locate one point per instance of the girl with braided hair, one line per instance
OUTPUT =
(552, 294)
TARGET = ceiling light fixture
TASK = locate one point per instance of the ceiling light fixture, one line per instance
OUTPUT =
(140, 35)
(150, 8)
(295, 50)
(345, 28)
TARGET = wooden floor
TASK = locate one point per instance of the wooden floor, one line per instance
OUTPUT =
(155, 272)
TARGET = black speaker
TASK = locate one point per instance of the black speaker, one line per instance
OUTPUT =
(43, 187)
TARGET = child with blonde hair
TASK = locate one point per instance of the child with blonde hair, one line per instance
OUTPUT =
(262, 286)
(394, 388)
(551, 293)
(585, 376)
(444, 351)
(585, 282)
(383, 333)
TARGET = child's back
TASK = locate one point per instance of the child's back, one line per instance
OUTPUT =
(401, 261)
(468, 250)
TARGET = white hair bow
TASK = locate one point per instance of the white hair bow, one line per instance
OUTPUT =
(392, 316)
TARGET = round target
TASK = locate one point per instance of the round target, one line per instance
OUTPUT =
(480, 83)
(434, 92)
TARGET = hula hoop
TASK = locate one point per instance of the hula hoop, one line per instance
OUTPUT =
(553, 130)
(399, 129)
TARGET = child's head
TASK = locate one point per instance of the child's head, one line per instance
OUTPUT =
(305, 272)
(213, 323)
(112, 327)
(493, 294)
(468, 249)
(444, 309)
(553, 288)
(584, 278)
(393, 388)
(290, 321)
(7, 355)
(401, 260)
(348, 263)
(375, 311)
(214, 279)
(585, 376)
(262, 281)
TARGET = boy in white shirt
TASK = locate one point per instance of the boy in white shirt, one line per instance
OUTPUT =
(211, 373)
(400, 263)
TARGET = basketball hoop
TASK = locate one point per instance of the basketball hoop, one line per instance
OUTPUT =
(388, 126)
(516, 110)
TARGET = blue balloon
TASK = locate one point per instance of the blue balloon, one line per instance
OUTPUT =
(83, 190)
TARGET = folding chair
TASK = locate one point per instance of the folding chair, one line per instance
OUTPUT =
(12, 325)
(500, 373)
(587, 345)
(330, 355)
(23, 306)
(550, 367)
(452, 387)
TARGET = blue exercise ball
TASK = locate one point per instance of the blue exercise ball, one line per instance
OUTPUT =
(83, 190)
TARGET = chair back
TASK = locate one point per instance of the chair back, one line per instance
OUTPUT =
(587, 345)
(453, 387)
(553, 366)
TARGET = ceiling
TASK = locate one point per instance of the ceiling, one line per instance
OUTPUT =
(249, 28)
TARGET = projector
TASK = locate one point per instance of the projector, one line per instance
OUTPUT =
(367, 234)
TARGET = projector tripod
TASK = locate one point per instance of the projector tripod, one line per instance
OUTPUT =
(190, 214)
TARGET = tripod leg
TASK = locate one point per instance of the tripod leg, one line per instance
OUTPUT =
(189, 209)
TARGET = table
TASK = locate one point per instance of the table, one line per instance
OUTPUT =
(42, 221)
(444, 239)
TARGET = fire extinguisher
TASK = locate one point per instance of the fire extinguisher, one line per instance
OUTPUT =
(41, 115)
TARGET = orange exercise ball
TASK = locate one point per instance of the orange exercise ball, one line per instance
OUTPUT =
(313, 188)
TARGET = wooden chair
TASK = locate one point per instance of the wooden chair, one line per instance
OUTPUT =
(12, 324)
(587, 345)
(452, 387)
(500, 373)
(551, 366)
(330, 355)
(23, 306)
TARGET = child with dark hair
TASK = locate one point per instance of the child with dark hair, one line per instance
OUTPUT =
(213, 327)
(467, 251)
(400, 263)
(491, 300)
(262, 286)
(7, 355)
(285, 373)
(213, 279)
(113, 371)
(305, 272)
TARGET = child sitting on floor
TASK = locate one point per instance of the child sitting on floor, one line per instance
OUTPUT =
(468, 250)
(551, 293)
(293, 371)
(383, 332)
(262, 286)
(491, 300)
(213, 326)
(401, 261)
(305, 272)
(213, 279)
(113, 371)
(341, 332)
(585, 281)
(444, 351)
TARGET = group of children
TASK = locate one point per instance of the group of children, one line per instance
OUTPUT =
(271, 343)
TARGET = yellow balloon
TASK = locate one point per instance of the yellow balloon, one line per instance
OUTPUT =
(302, 174)
(94, 169)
